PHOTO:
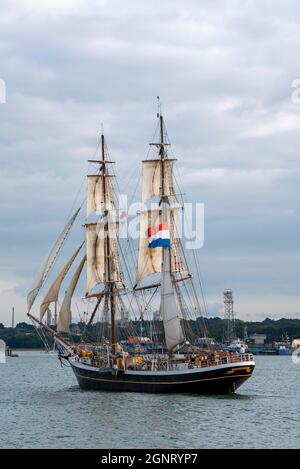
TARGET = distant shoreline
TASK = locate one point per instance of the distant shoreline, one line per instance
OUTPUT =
(25, 337)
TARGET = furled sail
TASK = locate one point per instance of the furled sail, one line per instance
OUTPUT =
(97, 199)
(52, 256)
(150, 260)
(65, 315)
(52, 294)
(168, 306)
(96, 235)
(152, 179)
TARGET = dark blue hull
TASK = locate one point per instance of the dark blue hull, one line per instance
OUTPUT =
(211, 380)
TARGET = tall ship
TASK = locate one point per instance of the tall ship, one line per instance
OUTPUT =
(142, 328)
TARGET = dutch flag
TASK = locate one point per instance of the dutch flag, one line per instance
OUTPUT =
(159, 236)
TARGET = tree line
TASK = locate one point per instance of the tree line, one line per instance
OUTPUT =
(25, 335)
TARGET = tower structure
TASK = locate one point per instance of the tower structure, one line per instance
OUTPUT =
(229, 315)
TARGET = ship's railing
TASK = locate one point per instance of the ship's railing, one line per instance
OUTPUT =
(246, 357)
(195, 362)
(202, 362)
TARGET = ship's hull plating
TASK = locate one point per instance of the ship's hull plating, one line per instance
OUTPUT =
(219, 379)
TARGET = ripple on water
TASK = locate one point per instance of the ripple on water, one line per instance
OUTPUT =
(42, 407)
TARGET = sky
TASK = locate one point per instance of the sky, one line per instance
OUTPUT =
(224, 72)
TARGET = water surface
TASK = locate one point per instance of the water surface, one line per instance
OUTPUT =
(41, 406)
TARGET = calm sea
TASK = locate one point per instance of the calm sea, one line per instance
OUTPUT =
(41, 406)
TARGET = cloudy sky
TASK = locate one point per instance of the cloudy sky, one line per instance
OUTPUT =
(224, 71)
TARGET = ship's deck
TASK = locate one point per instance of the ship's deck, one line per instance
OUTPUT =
(244, 360)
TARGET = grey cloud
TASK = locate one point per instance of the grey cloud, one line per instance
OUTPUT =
(223, 70)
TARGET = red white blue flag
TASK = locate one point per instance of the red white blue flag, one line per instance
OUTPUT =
(159, 236)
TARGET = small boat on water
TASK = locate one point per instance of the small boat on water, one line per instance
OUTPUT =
(116, 361)
(236, 345)
(10, 353)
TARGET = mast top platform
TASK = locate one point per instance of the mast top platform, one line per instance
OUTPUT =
(101, 161)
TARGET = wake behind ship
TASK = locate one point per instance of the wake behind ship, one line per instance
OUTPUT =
(173, 362)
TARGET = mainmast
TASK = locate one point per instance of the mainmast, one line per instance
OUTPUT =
(164, 200)
(102, 258)
(157, 232)
(168, 305)
(162, 158)
(109, 283)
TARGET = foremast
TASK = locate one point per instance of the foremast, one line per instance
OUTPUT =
(102, 251)
(109, 283)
